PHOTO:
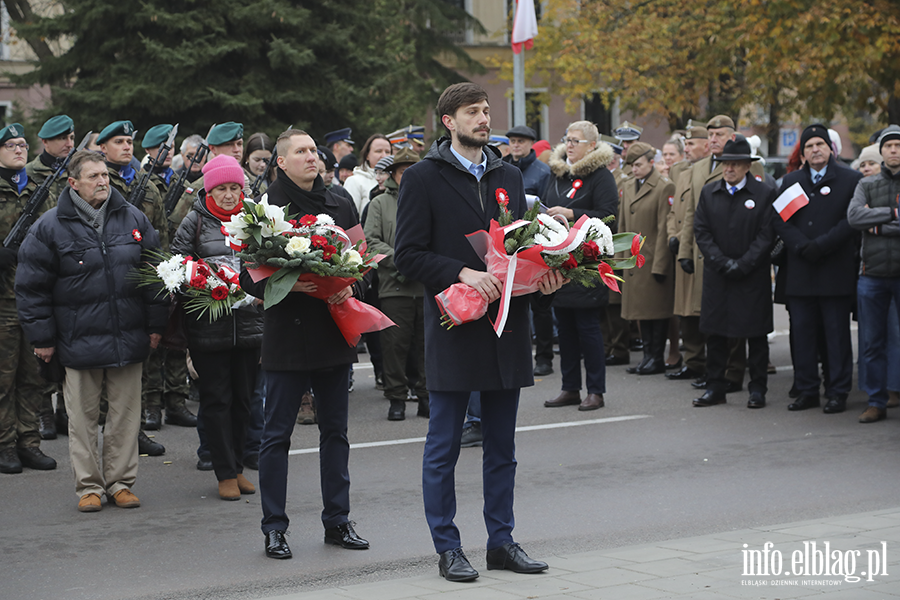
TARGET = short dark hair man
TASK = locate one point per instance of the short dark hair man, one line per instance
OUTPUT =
(456, 186)
(76, 300)
(535, 173)
(821, 251)
(733, 229)
(303, 348)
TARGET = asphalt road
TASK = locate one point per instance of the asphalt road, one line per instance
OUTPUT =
(664, 470)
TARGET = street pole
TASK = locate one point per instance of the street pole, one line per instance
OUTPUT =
(519, 88)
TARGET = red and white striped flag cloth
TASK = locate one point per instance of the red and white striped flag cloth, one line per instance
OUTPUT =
(525, 27)
(790, 201)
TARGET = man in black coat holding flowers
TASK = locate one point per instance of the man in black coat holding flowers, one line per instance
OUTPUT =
(303, 348)
(453, 192)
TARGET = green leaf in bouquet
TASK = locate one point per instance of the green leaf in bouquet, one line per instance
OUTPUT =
(622, 263)
(279, 285)
(622, 241)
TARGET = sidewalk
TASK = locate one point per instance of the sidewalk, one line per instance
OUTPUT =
(716, 566)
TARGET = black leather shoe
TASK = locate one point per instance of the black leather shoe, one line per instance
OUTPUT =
(152, 419)
(33, 458)
(542, 369)
(804, 403)
(148, 446)
(454, 566)
(471, 436)
(652, 367)
(676, 365)
(683, 373)
(9, 461)
(836, 404)
(181, 416)
(699, 383)
(277, 546)
(344, 536)
(633, 370)
(251, 461)
(47, 426)
(794, 392)
(424, 409)
(397, 411)
(710, 398)
(612, 360)
(734, 387)
(511, 557)
(204, 463)
(756, 400)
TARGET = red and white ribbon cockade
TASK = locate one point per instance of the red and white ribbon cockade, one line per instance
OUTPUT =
(576, 185)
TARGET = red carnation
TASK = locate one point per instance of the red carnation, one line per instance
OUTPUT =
(203, 269)
(187, 259)
(502, 197)
(198, 282)
(591, 251)
(308, 220)
(328, 251)
(219, 292)
(318, 241)
(570, 263)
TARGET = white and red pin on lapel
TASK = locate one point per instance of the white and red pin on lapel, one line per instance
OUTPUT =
(671, 200)
(576, 185)
(825, 191)
(136, 234)
(749, 204)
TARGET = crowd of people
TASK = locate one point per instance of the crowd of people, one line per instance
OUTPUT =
(700, 308)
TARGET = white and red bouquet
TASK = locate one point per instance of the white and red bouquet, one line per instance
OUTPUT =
(530, 247)
(311, 248)
(211, 287)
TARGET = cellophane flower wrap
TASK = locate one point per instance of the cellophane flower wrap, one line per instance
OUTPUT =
(211, 287)
(311, 248)
(528, 248)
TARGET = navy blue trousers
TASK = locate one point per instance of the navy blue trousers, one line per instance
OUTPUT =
(498, 426)
(284, 389)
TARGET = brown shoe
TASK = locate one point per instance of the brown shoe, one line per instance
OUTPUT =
(592, 402)
(564, 399)
(89, 503)
(307, 414)
(125, 499)
(244, 485)
(872, 414)
(229, 490)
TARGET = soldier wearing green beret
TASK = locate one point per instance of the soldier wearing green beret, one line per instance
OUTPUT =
(225, 138)
(21, 387)
(164, 380)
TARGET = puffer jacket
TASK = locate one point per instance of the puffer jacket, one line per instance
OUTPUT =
(200, 235)
(873, 210)
(76, 290)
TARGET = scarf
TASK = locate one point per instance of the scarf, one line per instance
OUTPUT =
(92, 217)
(18, 179)
(219, 212)
(309, 202)
(48, 160)
(164, 172)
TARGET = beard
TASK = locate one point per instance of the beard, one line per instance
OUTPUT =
(468, 141)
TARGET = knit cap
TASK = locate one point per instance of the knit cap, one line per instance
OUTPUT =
(222, 169)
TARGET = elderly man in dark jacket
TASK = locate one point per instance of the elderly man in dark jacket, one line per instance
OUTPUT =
(303, 348)
(733, 229)
(76, 301)
(821, 268)
(450, 194)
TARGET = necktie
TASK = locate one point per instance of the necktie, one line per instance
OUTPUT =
(733, 190)
(817, 177)
(477, 171)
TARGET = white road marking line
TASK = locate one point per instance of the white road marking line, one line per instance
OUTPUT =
(518, 430)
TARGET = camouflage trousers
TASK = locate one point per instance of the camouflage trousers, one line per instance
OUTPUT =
(164, 382)
(21, 386)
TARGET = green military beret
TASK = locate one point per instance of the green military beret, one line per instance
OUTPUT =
(114, 129)
(155, 136)
(56, 126)
(12, 131)
(224, 133)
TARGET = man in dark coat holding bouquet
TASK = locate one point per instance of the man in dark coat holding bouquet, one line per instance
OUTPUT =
(303, 348)
(733, 229)
(453, 192)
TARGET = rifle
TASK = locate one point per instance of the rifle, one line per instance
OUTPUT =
(254, 189)
(176, 190)
(30, 213)
(136, 197)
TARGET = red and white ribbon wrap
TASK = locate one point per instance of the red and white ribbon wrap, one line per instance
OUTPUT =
(576, 185)
(228, 275)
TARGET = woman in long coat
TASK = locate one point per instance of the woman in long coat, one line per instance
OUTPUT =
(648, 294)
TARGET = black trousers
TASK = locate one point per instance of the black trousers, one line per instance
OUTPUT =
(227, 380)
(542, 321)
(717, 351)
(814, 320)
(284, 389)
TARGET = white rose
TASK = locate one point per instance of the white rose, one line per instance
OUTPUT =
(352, 257)
(297, 245)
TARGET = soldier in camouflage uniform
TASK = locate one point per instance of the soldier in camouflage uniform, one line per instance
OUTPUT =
(21, 386)
(164, 378)
(57, 137)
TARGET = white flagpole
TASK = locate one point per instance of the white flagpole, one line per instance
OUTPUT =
(519, 88)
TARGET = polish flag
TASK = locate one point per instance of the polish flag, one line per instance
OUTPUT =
(524, 26)
(790, 201)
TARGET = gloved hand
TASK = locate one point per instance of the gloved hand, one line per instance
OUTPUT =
(674, 244)
(811, 251)
(687, 265)
(8, 258)
(659, 277)
(732, 270)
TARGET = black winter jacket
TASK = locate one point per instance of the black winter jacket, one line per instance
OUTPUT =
(243, 328)
(75, 289)
(535, 174)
